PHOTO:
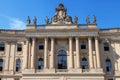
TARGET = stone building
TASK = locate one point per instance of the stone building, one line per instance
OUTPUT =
(61, 49)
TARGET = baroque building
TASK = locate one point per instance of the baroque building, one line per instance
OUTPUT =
(61, 49)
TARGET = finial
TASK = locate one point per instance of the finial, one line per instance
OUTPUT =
(28, 20)
(75, 20)
(47, 20)
(94, 21)
(87, 20)
(35, 20)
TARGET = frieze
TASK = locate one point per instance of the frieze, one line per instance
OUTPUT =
(60, 34)
(11, 39)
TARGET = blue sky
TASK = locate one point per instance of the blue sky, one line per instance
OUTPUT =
(13, 13)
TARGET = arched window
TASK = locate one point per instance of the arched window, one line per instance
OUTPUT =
(106, 46)
(1, 64)
(84, 63)
(40, 63)
(108, 65)
(83, 45)
(18, 65)
(62, 59)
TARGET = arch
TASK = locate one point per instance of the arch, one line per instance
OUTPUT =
(84, 63)
(40, 63)
(1, 64)
(18, 65)
(62, 59)
(108, 65)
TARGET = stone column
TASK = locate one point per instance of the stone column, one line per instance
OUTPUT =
(97, 52)
(45, 53)
(52, 54)
(33, 54)
(12, 61)
(7, 59)
(90, 53)
(70, 53)
(77, 52)
(26, 50)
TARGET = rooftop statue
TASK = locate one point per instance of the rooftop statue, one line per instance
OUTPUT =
(28, 20)
(87, 20)
(94, 17)
(61, 16)
(75, 20)
(35, 20)
(47, 20)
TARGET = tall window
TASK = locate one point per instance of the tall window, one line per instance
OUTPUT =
(83, 45)
(40, 63)
(62, 59)
(18, 65)
(84, 63)
(19, 47)
(2, 46)
(41, 46)
(106, 46)
(108, 65)
(1, 64)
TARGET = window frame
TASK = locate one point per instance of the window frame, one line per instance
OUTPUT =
(18, 65)
(83, 45)
(106, 46)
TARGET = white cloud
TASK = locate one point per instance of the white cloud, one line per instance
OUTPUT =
(15, 23)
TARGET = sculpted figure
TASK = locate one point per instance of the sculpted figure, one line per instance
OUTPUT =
(28, 20)
(35, 20)
(87, 20)
(47, 20)
(75, 20)
(94, 19)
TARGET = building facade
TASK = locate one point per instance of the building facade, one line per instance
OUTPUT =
(61, 49)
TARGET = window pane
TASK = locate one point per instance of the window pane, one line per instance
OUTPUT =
(1, 64)
(62, 59)
(41, 45)
(19, 47)
(40, 63)
(2, 46)
(106, 46)
(18, 65)
(83, 45)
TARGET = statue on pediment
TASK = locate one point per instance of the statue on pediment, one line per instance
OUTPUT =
(61, 16)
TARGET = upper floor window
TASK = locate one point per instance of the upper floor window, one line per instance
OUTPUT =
(2, 46)
(62, 59)
(83, 45)
(106, 46)
(19, 47)
(1, 64)
(18, 65)
(40, 63)
(108, 65)
(41, 46)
